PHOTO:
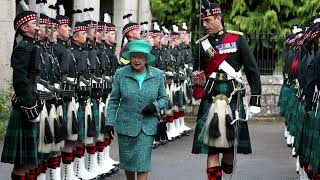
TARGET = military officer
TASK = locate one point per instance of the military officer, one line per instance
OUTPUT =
(214, 133)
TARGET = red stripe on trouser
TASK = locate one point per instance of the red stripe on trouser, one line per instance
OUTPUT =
(67, 158)
(53, 162)
(79, 152)
(91, 149)
(100, 146)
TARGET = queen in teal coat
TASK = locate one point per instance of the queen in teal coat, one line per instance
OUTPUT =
(138, 94)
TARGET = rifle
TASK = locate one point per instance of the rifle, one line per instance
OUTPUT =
(92, 55)
(36, 52)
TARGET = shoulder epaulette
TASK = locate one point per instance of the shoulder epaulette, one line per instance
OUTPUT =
(202, 39)
(235, 32)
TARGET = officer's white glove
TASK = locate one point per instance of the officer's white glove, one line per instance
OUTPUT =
(37, 119)
(253, 111)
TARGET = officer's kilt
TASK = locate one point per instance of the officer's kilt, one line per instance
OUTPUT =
(20, 145)
(244, 145)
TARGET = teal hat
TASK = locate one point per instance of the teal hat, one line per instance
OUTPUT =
(139, 46)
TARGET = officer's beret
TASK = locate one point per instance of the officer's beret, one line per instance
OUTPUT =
(23, 17)
(63, 19)
(80, 27)
(209, 9)
(129, 27)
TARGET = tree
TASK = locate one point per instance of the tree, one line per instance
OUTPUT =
(252, 17)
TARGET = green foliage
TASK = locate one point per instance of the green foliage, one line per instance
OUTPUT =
(5, 102)
(252, 17)
(249, 16)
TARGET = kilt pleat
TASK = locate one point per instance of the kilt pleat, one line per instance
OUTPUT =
(95, 114)
(81, 119)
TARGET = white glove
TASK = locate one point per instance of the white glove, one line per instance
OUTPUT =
(169, 73)
(253, 111)
(37, 119)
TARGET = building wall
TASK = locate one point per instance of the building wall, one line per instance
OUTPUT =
(7, 15)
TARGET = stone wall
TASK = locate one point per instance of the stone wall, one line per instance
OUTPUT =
(271, 86)
(7, 14)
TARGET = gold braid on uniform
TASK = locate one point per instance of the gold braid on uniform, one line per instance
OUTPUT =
(235, 32)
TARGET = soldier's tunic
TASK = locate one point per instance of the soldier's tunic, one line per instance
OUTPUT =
(68, 69)
(156, 52)
(82, 90)
(242, 57)
(20, 144)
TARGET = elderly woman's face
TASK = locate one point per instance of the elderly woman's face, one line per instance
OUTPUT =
(138, 61)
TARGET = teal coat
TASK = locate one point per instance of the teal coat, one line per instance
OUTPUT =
(127, 101)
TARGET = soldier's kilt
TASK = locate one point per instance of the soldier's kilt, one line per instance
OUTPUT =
(95, 113)
(283, 99)
(244, 145)
(20, 145)
(81, 119)
(314, 141)
(299, 128)
(65, 110)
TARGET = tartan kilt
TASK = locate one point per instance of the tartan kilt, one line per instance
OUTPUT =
(290, 109)
(65, 110)
(244, 144)
(310, 138)
(306, 138)
(81, 119)
(283, 99)
(299, 129)
(20, 144)
(315, 143)
(95, 113)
